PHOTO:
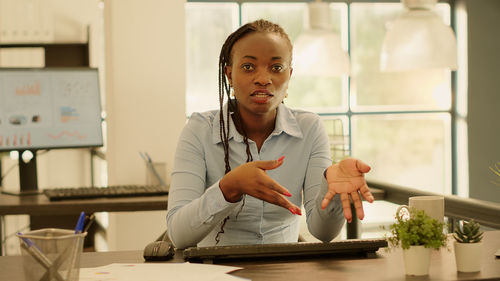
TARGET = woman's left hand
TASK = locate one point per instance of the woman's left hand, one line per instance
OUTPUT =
(347, 179)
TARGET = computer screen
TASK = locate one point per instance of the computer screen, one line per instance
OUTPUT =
(49, 108)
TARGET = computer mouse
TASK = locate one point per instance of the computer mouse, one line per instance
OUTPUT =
(159, 251)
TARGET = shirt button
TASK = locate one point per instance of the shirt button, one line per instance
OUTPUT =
(259, 236)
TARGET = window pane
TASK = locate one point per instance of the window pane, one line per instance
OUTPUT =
(337, 128)
(309, 93)
(207, 26)
(410, 150)
(290, 16)
(372, 90)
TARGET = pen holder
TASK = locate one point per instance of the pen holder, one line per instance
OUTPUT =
(51, 254)
(160, 168)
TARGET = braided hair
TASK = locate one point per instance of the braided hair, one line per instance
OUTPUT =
(225, 59)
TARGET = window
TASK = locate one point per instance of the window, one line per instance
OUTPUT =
(399, 123)
(207, 26)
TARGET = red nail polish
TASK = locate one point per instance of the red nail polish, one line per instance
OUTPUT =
(287, 194)
(291, 210)
(299, 213)
(281, 158)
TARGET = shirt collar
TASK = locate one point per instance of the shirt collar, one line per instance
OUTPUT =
(285, 123)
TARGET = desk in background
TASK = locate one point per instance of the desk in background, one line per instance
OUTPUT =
(39, 205)
(386, 266)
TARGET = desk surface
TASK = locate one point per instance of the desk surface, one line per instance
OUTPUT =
(41, 205)
(386, 266)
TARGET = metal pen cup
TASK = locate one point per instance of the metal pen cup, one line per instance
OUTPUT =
(51, 254)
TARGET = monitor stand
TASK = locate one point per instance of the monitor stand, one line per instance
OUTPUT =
(28, 180)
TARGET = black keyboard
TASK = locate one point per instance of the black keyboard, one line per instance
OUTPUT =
(302, 249)
(57, 194)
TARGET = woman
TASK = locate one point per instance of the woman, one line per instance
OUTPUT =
(227, 186)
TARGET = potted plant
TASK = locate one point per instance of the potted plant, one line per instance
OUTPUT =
(468, 246)
(417, 236)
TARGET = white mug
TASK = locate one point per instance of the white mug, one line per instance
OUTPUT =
(433, 206)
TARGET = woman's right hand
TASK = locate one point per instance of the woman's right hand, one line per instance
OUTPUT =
(251, 178)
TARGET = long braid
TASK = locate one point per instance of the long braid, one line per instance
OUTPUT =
(225, 90)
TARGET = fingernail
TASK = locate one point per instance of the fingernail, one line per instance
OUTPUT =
(291, 210)
(281, 158)
(286, 193)
(299, 213)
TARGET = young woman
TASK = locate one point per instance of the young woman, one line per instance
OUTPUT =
(241, 172)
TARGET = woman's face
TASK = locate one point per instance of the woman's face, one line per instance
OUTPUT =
(260, 72)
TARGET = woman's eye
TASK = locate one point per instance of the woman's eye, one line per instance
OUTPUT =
(277, 68)
(247, 67)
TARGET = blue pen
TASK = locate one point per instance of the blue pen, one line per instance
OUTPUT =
(79, 224)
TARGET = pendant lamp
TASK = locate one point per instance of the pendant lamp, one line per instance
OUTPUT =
(418, 39)
(317, 50)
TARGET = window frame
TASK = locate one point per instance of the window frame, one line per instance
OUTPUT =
(453, 113)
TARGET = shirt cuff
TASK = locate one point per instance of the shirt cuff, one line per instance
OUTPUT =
(215, 204)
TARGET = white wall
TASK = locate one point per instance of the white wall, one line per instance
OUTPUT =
(145, 76)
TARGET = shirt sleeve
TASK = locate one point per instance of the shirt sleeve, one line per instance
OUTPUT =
(193, 209)
(322, 224)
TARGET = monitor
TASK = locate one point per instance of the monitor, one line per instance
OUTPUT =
(48, 108)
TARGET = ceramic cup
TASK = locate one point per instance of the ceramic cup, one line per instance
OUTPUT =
(433, 206)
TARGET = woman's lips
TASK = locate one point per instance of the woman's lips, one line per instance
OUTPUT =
(261, 96)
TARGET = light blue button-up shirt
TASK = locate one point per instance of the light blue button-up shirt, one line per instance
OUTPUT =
(196, 205)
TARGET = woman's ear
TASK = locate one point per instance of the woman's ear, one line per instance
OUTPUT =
(228, 70)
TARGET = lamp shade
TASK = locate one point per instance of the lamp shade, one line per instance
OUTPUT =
(317, 50)
(418, 39)
(318, 53)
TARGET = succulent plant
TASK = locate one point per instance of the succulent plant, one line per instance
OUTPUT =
(468, 233)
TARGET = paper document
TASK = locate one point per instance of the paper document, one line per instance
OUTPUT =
(159, 272)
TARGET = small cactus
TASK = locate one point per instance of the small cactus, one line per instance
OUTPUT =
(468, 233)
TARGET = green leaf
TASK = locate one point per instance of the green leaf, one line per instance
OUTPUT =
(420, 229)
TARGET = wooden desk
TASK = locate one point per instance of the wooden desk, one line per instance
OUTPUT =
(40, 205)
(386, 266)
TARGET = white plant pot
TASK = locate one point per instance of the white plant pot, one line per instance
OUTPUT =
(468, 256)
(417, 260)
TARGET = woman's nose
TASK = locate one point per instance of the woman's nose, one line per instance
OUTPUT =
(262, 78)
